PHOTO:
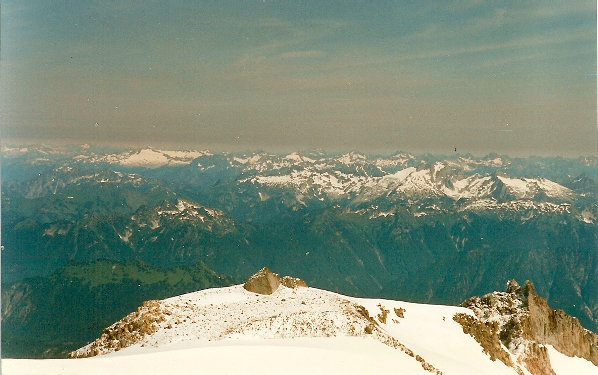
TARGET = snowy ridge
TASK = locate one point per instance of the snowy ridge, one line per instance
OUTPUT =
(394, 162)
(419, 339)
(330, 178)
(470, 187)
(352, 158)
(456, 182)
(330, 184)
(299, 158)
(517, 205)
(528, 187)
(147, 158)
(234, 314)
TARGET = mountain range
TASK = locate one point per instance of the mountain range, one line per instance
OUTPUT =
(421, 228)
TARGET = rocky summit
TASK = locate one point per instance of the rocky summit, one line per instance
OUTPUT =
(523, 323)
(267, 282)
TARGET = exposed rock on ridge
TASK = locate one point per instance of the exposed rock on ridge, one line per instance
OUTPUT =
(266, 282)
(232, 312)
(522, 322)
(556, 328)
(293, 282)
(504, 323)
(127, 331)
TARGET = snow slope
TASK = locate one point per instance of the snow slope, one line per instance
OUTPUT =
(298, 356)
(525, 187)
(295, 331)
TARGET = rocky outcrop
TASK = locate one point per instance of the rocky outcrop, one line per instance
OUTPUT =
(293, 282)
(522, 322)
(267, 282)
(263, 281)
(556, 328)
(127, 331)
(485, 333)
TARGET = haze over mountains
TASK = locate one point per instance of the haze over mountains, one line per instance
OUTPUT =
(112, 228)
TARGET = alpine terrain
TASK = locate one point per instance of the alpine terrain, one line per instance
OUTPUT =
(274, 324)
(89, 233)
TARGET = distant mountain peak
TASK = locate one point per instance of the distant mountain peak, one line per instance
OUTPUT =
(186, 208)
(352, 157)
(295, 156)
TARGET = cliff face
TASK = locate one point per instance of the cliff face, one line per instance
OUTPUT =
(516, 325)
(556, 328)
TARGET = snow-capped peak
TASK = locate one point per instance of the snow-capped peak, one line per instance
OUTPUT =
(145, 158)
(352, 158)
(298, 158)
(528, 187)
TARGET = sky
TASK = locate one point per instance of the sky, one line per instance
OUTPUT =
(510, 77)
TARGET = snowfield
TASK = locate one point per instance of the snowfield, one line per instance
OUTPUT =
(293, 331)
(297, 356)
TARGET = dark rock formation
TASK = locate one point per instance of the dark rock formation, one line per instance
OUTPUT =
(524, 323)
(265, 281)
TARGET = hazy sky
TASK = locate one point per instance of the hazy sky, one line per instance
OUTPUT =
(514, 77)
